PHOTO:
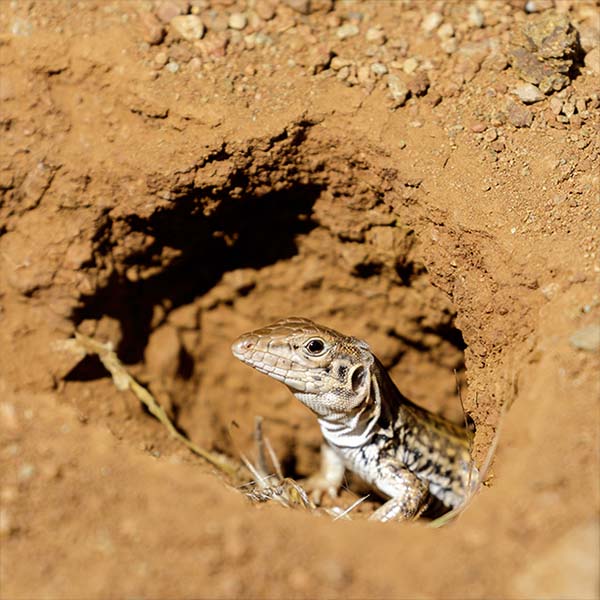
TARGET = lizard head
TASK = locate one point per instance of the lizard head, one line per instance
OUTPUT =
(327, 371)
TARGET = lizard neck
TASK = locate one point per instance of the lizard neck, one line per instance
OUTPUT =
(373, 415)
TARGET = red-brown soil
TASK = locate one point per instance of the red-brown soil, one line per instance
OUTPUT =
(168, 195)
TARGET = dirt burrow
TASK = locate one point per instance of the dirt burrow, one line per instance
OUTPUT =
(166, 196)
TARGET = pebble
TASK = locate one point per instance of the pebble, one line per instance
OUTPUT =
(475, 16)
(419, 84)
(519, 116)
(556, 105)
(379, 69)
(238, 21)
(398, 90)
(528, 93)
(364, 74)
(8, 416)
(264, 9)
(490, 135)
(375, 35)
(337, 63)
(478, 127)
(161, 58)
(445, 31)
(172, 67)
(166, 11)
(431, 22)
(586, 338)
(153, 31)
(347, 31)
(449, 46)
(189, 27)
(409, 66)
(301, 6)
(592, 60)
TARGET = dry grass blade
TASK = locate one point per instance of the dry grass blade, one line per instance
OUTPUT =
(124, 381)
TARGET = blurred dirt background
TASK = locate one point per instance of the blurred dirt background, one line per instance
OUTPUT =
(423, 175)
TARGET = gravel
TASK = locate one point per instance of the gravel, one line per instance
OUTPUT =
(529, 93)
(189, 27)
(347, 31)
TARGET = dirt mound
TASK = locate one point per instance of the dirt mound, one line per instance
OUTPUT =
(176, 173)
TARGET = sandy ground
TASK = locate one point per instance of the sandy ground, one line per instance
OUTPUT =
(175, 173)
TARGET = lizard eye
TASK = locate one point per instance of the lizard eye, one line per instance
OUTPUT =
(315, 346)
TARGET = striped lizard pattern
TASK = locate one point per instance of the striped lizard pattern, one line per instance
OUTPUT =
(408, 454)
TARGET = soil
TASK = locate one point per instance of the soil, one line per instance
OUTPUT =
(367, 165)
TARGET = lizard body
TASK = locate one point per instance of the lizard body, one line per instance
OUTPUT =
(402, 450)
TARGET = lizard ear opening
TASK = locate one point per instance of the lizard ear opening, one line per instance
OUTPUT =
(357, 380)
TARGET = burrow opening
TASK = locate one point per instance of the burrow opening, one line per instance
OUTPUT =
(178, 286)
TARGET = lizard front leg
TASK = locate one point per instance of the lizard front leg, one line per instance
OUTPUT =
(330, 476)
(409, 495)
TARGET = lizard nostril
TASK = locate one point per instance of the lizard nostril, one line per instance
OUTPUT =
(243, 345)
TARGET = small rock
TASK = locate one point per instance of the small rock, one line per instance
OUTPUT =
(431, 22)
(8, 416)
(490, 135)
(189, 27)
(172, 67)
(542, 50)
(364, 74)
(238, 21)
(166, 11)
(528, 93)
(301, 6)
(337, 63)
(379, 69)
(449, 46)
(153, 31)
(519, 116)
(556, 105)
(264, 9)
(568, 109)
(26, 472)
(533, 6)
(550, 290)
(375, 35)
(398, 90)
(586, 338)
(410, 65)
(592, 60)
(478, 127)
(445, 31)
(161, 58)
(419, 84)
(347, 31)
(475, 16)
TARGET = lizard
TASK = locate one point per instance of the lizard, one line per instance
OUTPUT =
(411, 456)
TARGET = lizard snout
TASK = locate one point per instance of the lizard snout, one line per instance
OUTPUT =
(243, 345)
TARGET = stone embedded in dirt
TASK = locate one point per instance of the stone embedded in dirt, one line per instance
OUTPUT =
(170, 9)
(419, 84)
(265, 9)
(153, 30)
(475, 16)
(379, 69)
(347, 31)
(410, 65)
(518, 115)
(375, 35)
(556, 105)
(528, 93)
(542, 51)
(189, 27)
(238, 21)
(431, 22)
(592, 60)
(398, 90)
(586, 338)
